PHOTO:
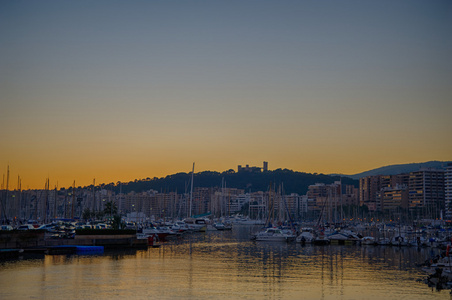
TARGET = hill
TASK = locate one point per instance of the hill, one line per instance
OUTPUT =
(293, 182)
(399, 169)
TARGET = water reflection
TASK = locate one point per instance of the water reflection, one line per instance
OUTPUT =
(224, 265)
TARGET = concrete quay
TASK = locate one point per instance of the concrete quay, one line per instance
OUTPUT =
(34, 239)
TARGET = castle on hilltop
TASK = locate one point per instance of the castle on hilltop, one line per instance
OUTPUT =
(252, 169)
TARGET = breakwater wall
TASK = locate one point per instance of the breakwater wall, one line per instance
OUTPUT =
(37, 239)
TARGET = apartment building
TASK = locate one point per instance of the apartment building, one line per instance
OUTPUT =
(317, 192)
(393, 198)
(426, 191)
(370, 189)
(448, 191)
(327, 199)
(351, 196)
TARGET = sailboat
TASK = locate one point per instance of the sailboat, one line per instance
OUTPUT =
(194, 224)
(274, 234)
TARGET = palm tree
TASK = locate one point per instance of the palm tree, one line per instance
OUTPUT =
(110, 209)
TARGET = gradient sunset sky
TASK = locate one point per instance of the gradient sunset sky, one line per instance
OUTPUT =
(119, 90)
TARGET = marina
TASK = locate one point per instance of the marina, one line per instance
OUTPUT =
(225, 264)
(226, 150)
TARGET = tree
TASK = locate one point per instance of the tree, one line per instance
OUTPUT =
(110, 209)
(117, 223)
(86, 214)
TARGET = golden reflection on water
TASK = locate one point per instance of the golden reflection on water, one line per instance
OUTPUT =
(217, 266)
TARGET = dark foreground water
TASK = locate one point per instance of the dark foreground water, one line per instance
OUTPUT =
(224, 265)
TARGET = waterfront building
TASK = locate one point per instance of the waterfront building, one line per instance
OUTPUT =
(393, 198)
(201, 200)
(351, 196)
(258, 205)
(237, 202)
(448, 191)
(166, 205)
(369, 186)
(311, 205)
(327, 199)
(317, 191)
(394, 180)
(226, 201)
(303, 205)
(135, 202)
(293, 205)
(426, 192)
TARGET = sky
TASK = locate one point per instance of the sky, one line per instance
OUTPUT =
(124, 90)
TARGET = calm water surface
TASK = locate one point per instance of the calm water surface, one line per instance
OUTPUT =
(224, 265)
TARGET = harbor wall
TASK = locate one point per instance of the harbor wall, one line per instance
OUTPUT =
(37, 239)
(22, 239)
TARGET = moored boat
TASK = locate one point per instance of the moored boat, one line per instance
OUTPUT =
(222, 226)
(368, 240)
(274, 235)
(343, 237)
(198, 224)
(399, 240)
(162, 232)
(305, 237)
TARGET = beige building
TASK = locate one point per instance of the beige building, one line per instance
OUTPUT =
(393, 198)
(370, 188)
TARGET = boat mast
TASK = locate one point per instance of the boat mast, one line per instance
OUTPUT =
(5, 206)
(222, 198)
(17, 204)
(73, 200)
(55, 214)
(47, 201)
(191, 190)
(340, 197)
(94, 195)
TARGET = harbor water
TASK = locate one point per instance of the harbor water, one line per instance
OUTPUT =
(224, 265)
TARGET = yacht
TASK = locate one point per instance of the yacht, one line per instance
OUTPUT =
(275, 235)
(368, 240)
(306, 237)
(198, 224)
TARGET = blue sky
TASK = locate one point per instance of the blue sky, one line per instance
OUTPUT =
(130, 89)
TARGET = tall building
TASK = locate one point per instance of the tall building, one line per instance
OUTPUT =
(394, 180)
(426, 192)
(393, 197)
(369, 187)
(259, 205)
(316, 192)
(448, 191)
(201, 201)
(293, 205)
(327, 199)
(351, 196)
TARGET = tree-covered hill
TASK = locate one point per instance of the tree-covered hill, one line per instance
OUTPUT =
(293, 182)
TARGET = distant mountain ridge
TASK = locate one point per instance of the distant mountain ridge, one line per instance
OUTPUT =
(398, 169)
